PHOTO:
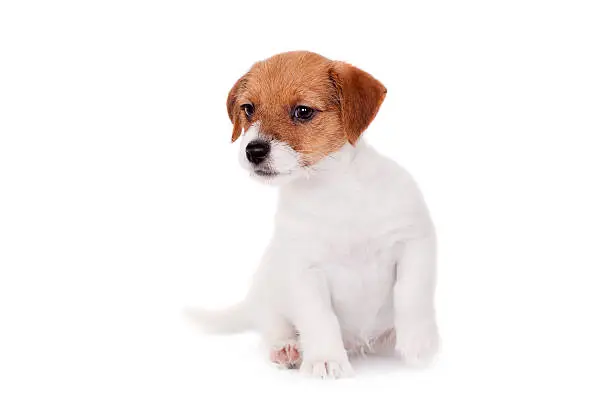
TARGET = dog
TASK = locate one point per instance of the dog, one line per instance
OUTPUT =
(351, 267)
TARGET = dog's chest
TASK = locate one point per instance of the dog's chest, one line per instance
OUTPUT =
(353, 231)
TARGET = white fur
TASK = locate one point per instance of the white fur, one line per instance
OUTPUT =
(351, 263)
(282, 159)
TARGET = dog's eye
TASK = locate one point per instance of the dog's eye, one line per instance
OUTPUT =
(248, 109)
(303, 113)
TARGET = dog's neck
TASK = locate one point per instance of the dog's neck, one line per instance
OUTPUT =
(331, 169)
(333, 186)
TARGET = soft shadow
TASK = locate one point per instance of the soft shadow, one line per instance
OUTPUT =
(379, 364)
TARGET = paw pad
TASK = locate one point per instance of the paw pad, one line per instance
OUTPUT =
(286, 356)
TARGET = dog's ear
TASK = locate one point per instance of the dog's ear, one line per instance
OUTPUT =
(359, 96)
(233, 110)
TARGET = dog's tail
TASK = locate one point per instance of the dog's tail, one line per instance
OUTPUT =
(235, 319)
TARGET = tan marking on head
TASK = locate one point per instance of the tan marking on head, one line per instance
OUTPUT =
(345, 100)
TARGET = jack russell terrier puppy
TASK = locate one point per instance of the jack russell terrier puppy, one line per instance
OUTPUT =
(351, 268)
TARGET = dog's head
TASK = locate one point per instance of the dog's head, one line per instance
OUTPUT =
(297, 108)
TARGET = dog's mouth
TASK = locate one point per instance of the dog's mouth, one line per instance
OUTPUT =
(266, 173)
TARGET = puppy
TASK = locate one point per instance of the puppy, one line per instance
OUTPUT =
(352, 264)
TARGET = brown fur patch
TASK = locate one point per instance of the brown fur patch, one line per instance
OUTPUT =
(345, 98)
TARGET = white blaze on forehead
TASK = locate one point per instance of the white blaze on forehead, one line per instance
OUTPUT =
(251, 134)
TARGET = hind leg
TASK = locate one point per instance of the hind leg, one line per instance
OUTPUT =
(282, 342)
(413, 296)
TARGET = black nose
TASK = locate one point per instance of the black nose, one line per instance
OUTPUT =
(257, 151)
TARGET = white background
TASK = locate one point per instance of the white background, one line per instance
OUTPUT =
(122, 200)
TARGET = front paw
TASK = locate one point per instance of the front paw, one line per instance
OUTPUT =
(418, 344)
(286, 354)
(327, 369)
